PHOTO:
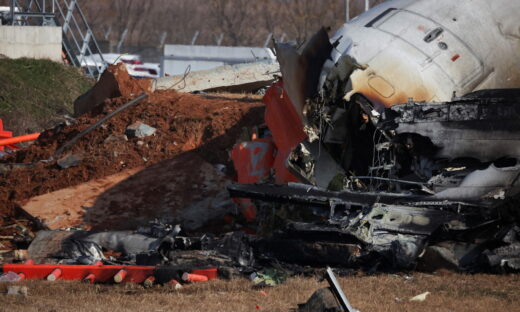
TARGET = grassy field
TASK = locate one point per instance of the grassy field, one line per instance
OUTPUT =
(449, 292)
(36, 93)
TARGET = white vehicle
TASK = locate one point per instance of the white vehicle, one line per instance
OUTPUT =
(134, 65)
(146, 70)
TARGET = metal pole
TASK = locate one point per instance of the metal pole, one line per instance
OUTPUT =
(162, 67)
(219, 39)
(367, 5)
(12, 11)
(194, 39)
(268, 39)
(162, 40)
(120, 43)
(347, 10)
(107, 32)
(338, 292)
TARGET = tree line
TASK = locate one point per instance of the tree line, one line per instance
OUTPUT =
(210, 22)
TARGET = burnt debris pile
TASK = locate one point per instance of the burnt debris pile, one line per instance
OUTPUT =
(324, 173)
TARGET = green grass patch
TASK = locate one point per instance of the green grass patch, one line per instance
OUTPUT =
(36, 93)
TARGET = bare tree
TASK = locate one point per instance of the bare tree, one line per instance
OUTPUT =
(231, 17)
(243, 22)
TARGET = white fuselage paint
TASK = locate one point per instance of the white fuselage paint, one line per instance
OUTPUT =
(475, 45)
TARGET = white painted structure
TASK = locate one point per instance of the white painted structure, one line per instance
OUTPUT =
(39, 42)
(179, 59)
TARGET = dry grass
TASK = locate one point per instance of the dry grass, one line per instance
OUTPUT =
(449, 292)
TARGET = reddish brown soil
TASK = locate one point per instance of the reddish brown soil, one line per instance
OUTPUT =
(184, 122)
(126, 84)
(114, 82)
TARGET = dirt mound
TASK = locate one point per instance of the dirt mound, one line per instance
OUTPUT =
(114, 82)
(184, 122)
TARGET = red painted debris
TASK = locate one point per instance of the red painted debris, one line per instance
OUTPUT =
(253, 160)
(211, 274)
(149, 281)
(4, 134)
(101, 273)
(120, 276)
(286, 127)
(187, 277)
(104, 273)
(90, 279)
(19, 139)
(22, 276)
(55, 274)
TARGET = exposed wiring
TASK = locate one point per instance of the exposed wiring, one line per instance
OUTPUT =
(183, 79)
(120, 56)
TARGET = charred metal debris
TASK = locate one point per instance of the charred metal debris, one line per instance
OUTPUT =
(392, 187)
(335, 178)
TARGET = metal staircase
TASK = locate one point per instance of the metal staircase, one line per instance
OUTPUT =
(80, 47)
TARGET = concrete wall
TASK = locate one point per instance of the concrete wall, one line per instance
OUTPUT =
(40, 42)
(178, 57)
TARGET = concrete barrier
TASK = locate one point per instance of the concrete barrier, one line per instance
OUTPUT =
(233, 78)
(39, 42)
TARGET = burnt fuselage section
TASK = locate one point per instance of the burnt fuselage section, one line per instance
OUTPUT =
(393, 155)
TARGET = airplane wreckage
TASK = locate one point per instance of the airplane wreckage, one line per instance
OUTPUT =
(392, 145)
(398, 135)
